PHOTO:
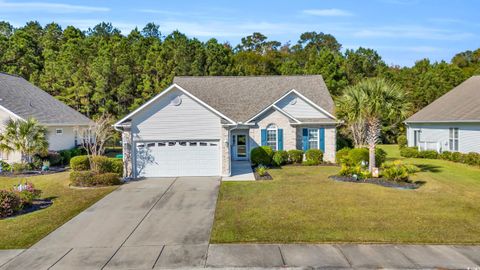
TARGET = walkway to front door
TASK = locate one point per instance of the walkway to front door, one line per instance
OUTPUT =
(241, 171)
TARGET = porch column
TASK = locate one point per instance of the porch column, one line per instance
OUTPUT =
(127, 153)
(226, 157)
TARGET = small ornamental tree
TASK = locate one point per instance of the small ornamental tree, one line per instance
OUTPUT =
(95, 138)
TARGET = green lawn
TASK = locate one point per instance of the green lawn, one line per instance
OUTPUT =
(302, 205)
(25, 230)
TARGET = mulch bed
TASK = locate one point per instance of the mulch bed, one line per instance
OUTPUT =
(33, 173)
(379, 181)
(35, 206)
(267, 176)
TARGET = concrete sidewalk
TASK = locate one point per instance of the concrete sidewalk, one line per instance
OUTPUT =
(248, 255)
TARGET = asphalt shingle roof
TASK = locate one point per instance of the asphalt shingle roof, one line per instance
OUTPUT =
(242, 97)
(462, 103)
(26, 100)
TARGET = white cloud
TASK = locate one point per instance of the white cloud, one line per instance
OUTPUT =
(414, 49)
(411, 31)
(85, 24)
(332, 12)
(48, 7)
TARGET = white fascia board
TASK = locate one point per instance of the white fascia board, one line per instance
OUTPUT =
(11, 113)
(164, 92)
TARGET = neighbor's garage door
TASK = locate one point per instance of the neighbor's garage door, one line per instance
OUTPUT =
(178, 158)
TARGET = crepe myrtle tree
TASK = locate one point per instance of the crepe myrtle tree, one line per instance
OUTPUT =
(371, 102)
(25, 136)
(95, 138)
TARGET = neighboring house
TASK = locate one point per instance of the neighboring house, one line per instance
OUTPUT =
(450, 123)
(20, 99)
(199, 125)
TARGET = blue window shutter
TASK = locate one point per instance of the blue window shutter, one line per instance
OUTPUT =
(280, 139)
(264, 137)
(321, 131)
(305, 139)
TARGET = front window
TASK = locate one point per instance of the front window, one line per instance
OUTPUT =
(272, 136)
(453, 139)
(312, 138)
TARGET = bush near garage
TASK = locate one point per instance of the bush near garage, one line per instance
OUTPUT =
(92, 179)
(80, 163)
(108, 171)
(261, 155)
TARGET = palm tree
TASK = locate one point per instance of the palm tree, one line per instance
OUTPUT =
(370, 102)
(28, 137)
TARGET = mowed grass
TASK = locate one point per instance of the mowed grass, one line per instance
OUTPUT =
(25, 230)
(302, 205)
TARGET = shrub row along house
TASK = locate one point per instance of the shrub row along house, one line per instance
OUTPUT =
(450, 123)
(20, 100)
(199, 126)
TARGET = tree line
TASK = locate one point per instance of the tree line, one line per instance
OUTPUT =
(102, 70)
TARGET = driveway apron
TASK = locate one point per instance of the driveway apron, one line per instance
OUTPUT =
(133, 225)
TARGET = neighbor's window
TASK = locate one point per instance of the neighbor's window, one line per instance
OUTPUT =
(453, 139)
(272, 136)
(59, 131)
(313, 138)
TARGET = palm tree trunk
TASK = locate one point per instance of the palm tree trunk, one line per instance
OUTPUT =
(372, 137)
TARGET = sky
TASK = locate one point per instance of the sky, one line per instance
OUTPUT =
(402, 31)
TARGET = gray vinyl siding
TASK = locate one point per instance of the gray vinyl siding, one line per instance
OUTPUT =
(164, 121)
(301, 109)
(468, 135)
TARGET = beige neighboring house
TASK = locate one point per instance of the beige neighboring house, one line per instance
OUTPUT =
(19, 99)
(199, 126)
(450, 123)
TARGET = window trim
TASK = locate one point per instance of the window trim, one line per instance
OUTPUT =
(272, 127)
(416, 139)
(318, 137)
(452, 139)
(57, 131)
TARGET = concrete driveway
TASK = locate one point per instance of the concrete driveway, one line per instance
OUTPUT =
(156, 222)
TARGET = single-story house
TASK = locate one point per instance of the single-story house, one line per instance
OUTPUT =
(200, 125)
(19, 99)
(450, 123)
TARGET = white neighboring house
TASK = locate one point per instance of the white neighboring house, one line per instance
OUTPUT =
(450, 123)
(19, 99)
(200, 125)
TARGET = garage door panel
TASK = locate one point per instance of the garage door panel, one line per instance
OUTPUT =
(178, 158)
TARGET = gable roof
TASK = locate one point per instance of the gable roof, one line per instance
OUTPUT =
(461, 104)
(25, 100)
(242, 97)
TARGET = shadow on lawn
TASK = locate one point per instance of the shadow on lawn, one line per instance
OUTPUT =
(429, 168)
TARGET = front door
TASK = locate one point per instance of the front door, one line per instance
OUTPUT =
(240, 146)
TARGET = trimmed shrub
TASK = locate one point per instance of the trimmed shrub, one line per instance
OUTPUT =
(102, 163)
(357, 155)
(89, 179)
(471, 158)
(280, 158)
(428, 154)
(106, 179)
(9, 203)
(5, 166)
(21, 167)
(66, 156)
(116, 165)
(314, 156)
(402, 141)
(295, 156)
(397, 171)
(261, 155)
(80, 163)
(447, 155)
(456, 157)
(342, 154)
(380, 156)
(409, 152)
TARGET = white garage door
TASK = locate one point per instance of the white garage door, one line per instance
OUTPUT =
(178, 158)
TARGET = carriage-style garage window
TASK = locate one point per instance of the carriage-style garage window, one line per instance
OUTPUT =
(272, 132)
(59, 131)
